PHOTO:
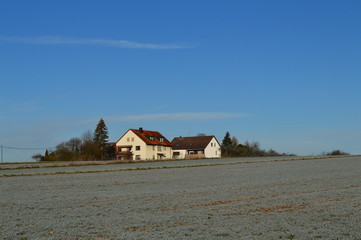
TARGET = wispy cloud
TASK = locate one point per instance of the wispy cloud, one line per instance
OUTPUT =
(57, 40)
(200, 116)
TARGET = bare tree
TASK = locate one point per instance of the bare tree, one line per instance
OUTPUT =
(37, 157)
(87, 136)
(74, 145)
(234, 142)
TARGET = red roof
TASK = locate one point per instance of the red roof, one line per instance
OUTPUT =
(151, 137)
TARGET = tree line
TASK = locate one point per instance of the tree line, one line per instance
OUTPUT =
(90, 146)
(230, 147)
(335, 153)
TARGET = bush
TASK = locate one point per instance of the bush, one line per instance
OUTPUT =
(337, 153)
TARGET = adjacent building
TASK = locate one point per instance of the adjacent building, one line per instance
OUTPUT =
(196, 147)
(139, 144)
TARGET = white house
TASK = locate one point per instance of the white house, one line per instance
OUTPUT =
(196, 147)
(139, 144)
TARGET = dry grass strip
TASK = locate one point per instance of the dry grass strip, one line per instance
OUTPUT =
(175, 208)
(282, 208)
(149, 168)
(118, 162)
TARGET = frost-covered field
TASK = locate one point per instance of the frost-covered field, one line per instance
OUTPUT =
(94, 166)
(312, 199)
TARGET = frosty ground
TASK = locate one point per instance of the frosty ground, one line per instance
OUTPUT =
(267, 199)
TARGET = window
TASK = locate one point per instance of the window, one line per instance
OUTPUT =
(151, 138)
(132, 139)
(211, 144)
(153, 157)
(161, 139)
(137, 157)
(128, 139)
(159, 148)
(153, 148)
(137, 148)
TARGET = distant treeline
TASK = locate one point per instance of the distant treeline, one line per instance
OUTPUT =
(90, 146)
(232, 148)
(335, 153)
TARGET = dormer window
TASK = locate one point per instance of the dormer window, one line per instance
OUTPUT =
(151, 138)
(161, 139)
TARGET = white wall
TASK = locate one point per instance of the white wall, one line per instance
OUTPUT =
(154, 150)
(131, 139)
(213, 149)
(167, 151)
(182, 154)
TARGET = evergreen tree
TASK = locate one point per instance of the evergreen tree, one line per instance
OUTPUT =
(101, 133)
(101, 136)
(227, 141)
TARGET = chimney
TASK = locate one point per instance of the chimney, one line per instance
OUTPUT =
(141, 130)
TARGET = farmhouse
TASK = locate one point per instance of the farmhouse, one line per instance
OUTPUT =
(196, 147)
(139, 144)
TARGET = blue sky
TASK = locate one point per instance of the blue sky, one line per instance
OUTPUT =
(284, 73)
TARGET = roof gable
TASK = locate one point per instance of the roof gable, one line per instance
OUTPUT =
(192, 143)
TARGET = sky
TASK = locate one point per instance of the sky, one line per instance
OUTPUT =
(283, 73)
